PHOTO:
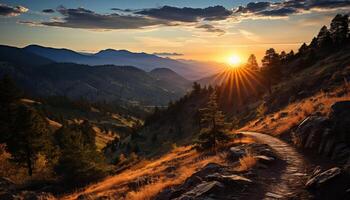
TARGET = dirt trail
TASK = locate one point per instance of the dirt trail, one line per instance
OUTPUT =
(292, 177)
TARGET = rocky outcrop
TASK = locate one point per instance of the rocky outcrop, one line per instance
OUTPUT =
(215, 181)
(333, 183)
(329, 136)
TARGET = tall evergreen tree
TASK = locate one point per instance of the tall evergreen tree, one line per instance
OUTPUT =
(79, 162)
(339, 29)
(29, 138)
(271, 69)
(213, 130)
(324, 39)
(9, 97)
(252, 63)
(303, 49)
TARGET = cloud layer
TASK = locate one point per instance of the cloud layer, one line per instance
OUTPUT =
(9, 11)
(174, 16)
(285, 8)
(187, 14)
(87, 19)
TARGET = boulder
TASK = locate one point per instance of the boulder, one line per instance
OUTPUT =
(205, 188)
(321, 179)
(229, 180)
(235, 153)
(341, 153)
(340, 117)
(210, 168)
(309, 132)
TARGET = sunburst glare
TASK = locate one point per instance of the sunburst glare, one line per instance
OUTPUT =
(234, 61)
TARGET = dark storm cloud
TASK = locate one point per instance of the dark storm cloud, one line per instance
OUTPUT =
(285, 8)
(48, 11)
(187, 14)
(9, 11)
(87, 19)
(168, 54)
(210, 28)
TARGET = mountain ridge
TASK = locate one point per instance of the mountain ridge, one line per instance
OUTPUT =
(122, 57)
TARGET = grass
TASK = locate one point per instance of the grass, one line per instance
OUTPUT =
(248, 161)
(184, 161)
(293, 114)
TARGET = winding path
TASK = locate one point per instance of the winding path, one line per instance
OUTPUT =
(292, 176)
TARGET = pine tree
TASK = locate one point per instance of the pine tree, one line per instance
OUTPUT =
(9, 98)
(324, 39)
(271, 69)
(339, 29)
(213, 130)
(252, 63)
(30, 137)
(80, 162)
(303, 49)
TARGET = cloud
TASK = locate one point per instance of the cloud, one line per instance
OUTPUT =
(250, 36)
(289, 7)
(168, 54)
(30, 23)
(9, 11)
(48, 11)
(87, 19)
(186, 14)
(212, 29)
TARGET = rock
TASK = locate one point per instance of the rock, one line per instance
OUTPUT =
(320, 179)
(235, 154)
(205, 188)
(274, 195)
(316, 171)
(210, 168)
(341, 152)
(325, 138)
(309, 132)
(228, 179)
(340, 108)
(264, 159)
(340, 117)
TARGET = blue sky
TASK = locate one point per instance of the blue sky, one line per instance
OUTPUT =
(215, 31)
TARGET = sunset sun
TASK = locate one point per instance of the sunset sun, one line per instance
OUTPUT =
(234, 60)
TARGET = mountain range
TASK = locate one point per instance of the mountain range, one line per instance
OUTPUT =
(191, 70)
(43, 76)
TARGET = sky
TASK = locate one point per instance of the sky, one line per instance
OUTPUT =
(206, 30)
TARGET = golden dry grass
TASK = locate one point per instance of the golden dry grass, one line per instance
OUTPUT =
(276, 124)
(184, 160)
(247, 162)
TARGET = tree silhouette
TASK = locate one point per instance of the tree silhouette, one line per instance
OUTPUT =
(213, 130)
(252, 63)
(30, 137)
(339, 29)
(80, 162)
(324, 39)
(271, 69)
(9, 97)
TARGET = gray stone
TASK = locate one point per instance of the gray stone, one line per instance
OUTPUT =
(206, 188)
(320, 179)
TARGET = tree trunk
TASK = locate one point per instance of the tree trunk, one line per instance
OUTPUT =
(29, 163)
